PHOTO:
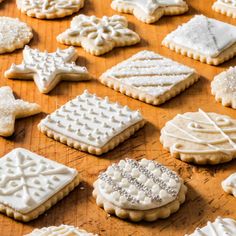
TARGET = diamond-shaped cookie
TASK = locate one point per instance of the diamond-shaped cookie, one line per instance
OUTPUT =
(92, 124)
(149, 77)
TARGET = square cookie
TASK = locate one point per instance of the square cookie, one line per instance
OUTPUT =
(225, 7)
(201, 39)
(31, 184)
(149, 77)
(92, 124)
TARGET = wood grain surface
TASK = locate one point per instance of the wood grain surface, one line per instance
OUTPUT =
(205, 199)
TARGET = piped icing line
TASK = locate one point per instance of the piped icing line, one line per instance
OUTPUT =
(139, 185)
(191, 138)
(229, 184)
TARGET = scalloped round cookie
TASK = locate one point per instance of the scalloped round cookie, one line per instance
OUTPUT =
(14, 34)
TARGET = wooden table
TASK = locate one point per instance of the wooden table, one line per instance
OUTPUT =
(205, 200)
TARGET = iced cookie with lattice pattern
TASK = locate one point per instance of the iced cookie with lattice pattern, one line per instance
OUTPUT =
(12, 109)
(229, 184)
(149, 77)
(92, 124)
(221, 226)
(48, 69)
(225, 7)
(14, 34)
(139, 190)
(98, 35)
(31, 184)
(201, 39)
(224, 87)
(62, 230)
(150, 11)
(200, 137)
(49, 9)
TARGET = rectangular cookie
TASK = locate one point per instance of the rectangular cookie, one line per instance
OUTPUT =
(31, 184)
(91, 124)
(201, 39)
(149, 77)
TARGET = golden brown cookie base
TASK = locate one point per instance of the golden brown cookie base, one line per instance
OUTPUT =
(226, 55)
(225, 10)
(58, 14)
(138, 215)
(140, 15)
(144, 97)
(88, 148)
(42, 208)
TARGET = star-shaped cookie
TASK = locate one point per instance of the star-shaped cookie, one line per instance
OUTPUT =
(11, 109)
(98, 35)
(225, 7)
(150, 11)
(47, 69)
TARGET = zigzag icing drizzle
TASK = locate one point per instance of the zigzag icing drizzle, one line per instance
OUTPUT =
(220, 227)
(91, 120)
(149, 72)
(204, 35)
(30, 179)
(229, 184)
(150, 6)
(139, 185)
(218, 126)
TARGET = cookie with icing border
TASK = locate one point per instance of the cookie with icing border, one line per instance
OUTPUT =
(139, 190)
(224, 87)
(229, 184)
(221, 226)
(201, 39)
(98, 35)
(150, 11)
(201, 138)
(149, 77)
(225, 7)
(14, 34)
(92, 124)
(31, 184)
(59, 231)
(48, 69)
(49, 9)
(12, 109)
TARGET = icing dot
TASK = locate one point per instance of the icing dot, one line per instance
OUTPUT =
(108, 188)
(151, 166)
(141, 195)
(157, 172)
(122, 164)
(147, 200)
(144, 162)
(124, 182)
(116, 175)
(163, 194)
(155, 188)
(133, 189)
(142, 178)
(116, 195)
(135, 173)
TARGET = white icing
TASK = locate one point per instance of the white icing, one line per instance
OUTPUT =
(220, 227)
(150, 73)
(150, 6)
(91, 120)
(49, 6)
(231, 3)
(139, 185)
(100, 31)
(211, 135)
(27, 180)
(204, 35)
(13, 32)
(47, 68)
(62, 230)
(230, 183)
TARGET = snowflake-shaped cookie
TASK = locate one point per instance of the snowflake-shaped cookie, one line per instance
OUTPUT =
(98, 36)
(12, 109)
(49, 9)
(47, 69)
(149, 11)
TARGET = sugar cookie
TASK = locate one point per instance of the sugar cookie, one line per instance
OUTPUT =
(225, 7)
(229, 185)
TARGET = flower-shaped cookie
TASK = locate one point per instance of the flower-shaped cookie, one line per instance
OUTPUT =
(98, 35)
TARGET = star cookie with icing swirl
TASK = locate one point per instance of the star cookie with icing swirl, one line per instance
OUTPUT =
(150, 11)
(200, 137)
(98, 35)
(139, 190)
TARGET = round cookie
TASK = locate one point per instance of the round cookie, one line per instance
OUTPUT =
(200, 137)
(49, 9)
(224, 87)
(139, 190)
(14, 34)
